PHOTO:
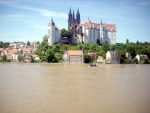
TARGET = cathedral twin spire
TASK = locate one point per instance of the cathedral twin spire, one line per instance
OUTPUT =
(72, 20)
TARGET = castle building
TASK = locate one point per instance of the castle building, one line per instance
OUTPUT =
(53, 33)
(90, 32)
(97, 33)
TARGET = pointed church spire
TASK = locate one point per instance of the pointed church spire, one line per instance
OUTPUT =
(73, 14)
(101, 21)
(52, 22)
(51, 19)
(78, 11)
(78, 17)
(73, 17)
(70, 11)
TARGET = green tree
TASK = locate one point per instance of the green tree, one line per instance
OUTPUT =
(65, 33)
(144, 61)
(3, 58)
(122, 59)
(127, 41)
(58, 57)
(87, 58)
(113, 47)
(137, 42)
(37, 42)
(50, 56)
(28, 43)
(106, 47)
(131, 49)
(42, 48)
(20, 57)
(4, 44)
(135, 60)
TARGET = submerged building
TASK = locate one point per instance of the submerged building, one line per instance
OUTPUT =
(73, 56)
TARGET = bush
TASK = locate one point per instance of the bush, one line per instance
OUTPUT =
(20, 57)
(87, 58)
(135, 60)
(145, 61)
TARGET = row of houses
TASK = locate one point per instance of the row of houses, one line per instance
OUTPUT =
(15, 49)
(77, 56)
(71, 56)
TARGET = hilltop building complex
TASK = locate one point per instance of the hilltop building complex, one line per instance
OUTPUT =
(88, 32)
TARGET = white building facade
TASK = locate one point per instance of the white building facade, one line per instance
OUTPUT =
(53, 33)
(94, 32)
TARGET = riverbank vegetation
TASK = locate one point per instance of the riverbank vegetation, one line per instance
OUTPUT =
(54, 53)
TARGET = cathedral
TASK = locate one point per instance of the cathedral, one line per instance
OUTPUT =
(73, 23)
(90, 32)
(87, 32)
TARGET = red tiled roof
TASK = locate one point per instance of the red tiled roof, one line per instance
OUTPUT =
(74, 52)
(10, 52)
(110, 27)
(1, 49)
(88, 22)
(13, 51)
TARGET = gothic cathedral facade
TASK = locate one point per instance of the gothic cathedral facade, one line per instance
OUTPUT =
(73, 23)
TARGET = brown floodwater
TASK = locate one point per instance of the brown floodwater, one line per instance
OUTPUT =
(74, 88)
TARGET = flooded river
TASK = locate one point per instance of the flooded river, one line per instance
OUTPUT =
(74, 88)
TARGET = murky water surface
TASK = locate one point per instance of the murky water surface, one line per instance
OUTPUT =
(74, 88)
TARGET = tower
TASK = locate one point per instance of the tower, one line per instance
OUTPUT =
(53, 33)
(78, 17)
(69, 19)
(73, 22)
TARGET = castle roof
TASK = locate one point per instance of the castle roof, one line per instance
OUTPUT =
(109, 27)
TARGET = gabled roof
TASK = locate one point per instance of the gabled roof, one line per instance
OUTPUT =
(74, 52)
(109, 27)
(10, 52)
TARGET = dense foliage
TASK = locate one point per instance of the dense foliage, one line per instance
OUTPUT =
(54, 53)
(133, 49)
(65, 33)
(20, 57)
(4, 44)
(4, 59)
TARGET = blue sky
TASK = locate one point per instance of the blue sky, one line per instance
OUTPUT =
(23, 20)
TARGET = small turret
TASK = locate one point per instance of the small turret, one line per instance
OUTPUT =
(52, 22)
(101, 21)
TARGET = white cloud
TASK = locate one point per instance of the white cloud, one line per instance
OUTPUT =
(42, 12)
(16, 18)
